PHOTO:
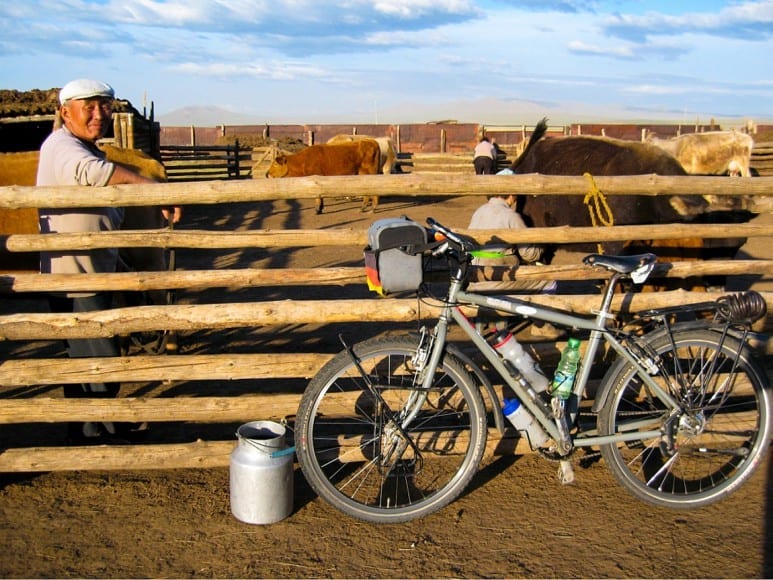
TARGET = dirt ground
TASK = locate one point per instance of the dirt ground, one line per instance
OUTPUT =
(515, 520)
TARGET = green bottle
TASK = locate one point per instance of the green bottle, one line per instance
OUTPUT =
(563, 380)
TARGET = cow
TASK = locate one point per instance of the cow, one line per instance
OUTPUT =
(357, 158)
(710, 153)
(388, 156)
(386, 146)
(577, 155)
(18, 169)
(21, 169)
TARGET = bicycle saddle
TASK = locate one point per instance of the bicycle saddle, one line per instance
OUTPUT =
(621, 264)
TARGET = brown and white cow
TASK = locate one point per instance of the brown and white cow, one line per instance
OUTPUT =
(356, 158)
(386, 146)
(710, 153)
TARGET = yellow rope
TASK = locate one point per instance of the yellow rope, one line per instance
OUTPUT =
(598, 208)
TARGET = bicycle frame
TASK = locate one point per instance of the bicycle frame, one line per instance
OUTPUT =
(599, 332)
(682, 416)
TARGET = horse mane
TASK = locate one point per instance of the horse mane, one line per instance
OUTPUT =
(539, 131)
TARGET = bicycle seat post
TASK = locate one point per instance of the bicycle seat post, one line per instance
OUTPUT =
(603, 314)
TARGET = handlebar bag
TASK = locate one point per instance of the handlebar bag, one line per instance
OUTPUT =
(393, 258)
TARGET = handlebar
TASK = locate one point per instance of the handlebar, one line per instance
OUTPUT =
(464, 245)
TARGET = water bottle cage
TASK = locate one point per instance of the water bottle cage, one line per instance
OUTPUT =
(557, 386)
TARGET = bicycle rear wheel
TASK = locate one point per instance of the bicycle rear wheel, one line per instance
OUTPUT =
(393, 452)
(713, 445)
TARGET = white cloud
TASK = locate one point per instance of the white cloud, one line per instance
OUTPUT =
(616, 51)
(750, 20)
(274, 70)
(341, 56)
(413, 8)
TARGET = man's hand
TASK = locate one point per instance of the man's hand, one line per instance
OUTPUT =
(172, 214)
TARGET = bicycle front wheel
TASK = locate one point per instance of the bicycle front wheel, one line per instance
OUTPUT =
(389, 451)
(712, 445)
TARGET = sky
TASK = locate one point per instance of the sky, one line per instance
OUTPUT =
(496, 62)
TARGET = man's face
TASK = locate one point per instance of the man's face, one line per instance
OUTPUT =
(88, 119)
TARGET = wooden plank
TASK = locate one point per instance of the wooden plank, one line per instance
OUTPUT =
(178, 317)
(195, 148)
(192, 167)
(152, 409)
(408, 185)
(201, 454)
(206, 239)
(140, 368)
(259, 277)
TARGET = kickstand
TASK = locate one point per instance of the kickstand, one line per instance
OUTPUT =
(565, 472)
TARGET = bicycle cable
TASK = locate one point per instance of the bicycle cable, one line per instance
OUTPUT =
(743, 307)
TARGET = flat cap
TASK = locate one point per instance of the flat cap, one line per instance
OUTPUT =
(85, 89)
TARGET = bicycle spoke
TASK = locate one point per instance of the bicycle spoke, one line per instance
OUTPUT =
(712, 445)
(383, 448)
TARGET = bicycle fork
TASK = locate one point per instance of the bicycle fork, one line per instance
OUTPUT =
(393, 440)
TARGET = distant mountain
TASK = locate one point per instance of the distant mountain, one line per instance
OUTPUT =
(205, 116)
(487, 111)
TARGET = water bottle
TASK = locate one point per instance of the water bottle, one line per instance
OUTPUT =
(523, 421)
(566, 370)
(512, 350)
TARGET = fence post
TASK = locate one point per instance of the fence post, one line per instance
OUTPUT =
(236, 164)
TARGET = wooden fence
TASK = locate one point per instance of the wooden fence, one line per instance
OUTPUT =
(203, 163)
(30, 380)
(440, 163)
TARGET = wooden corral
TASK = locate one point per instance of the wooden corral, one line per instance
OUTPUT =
(28, 380)
(442, 137)
(204, 163)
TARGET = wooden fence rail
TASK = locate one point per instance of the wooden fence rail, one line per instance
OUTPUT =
(28, 381)
(411, 186)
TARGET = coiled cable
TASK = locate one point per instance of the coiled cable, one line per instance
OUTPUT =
(742, 307)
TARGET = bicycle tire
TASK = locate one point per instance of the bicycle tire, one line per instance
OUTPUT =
(719, 438)
(344, 435)
(154, 342)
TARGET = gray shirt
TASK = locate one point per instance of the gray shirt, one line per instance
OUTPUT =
(497, 215)
(67, 160)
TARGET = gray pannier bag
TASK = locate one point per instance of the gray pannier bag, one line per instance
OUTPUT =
(393, 258)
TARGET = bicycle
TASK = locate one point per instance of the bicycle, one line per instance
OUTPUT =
(394, 428)
(152, 342)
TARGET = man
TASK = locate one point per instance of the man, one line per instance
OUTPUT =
(498, 213)
(69, 156)
(484, 158)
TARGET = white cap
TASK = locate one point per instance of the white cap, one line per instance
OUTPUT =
(85, 89)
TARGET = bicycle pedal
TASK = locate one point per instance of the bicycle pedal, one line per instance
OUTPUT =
(565, 472)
